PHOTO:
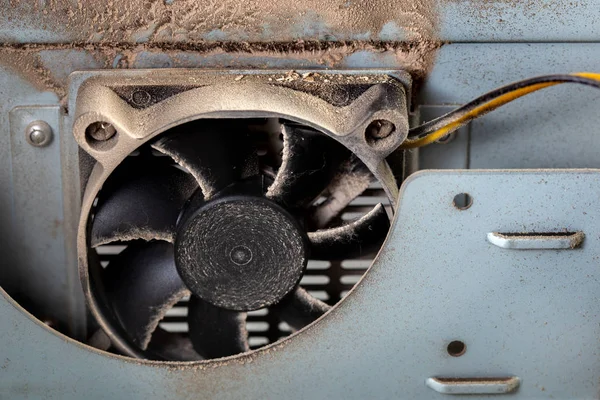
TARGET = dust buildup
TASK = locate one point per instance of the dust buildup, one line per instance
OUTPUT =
(158, 314)
(353, 179)
(138, 21)
(115, 34)
(414, 57)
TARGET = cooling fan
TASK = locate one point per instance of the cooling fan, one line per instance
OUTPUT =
(215, 222)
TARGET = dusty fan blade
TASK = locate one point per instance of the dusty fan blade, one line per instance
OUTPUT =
(299, 309)
(142, 284)
(216, 153)
(352, 179)
(355, 239)
(143, 204)
(172, 346)
(310, 161)
(216, 332)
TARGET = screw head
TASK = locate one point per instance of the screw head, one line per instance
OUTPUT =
(101, 131)
(38, 133)
(380, 129)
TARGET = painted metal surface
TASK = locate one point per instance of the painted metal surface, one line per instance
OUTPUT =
(519, 21)
(36, 229)
(532, 315)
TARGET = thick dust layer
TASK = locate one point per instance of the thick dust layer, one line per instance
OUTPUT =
(85, 34)
(47, 66)
(137, 21)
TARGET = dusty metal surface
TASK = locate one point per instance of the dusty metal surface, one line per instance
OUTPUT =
(139, 21)
(518, 21)
(45, 41)
(405, 311)
(47, 67)
(176, 21)
(38, 229)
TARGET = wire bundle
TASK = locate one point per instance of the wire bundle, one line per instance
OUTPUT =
(436, 129)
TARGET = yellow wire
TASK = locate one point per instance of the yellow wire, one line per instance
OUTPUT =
(485, 108)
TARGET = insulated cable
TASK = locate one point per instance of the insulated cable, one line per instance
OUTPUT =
(436, 129)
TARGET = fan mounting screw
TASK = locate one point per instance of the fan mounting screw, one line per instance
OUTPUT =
(101, 131)
(380, 129)
(38, 133)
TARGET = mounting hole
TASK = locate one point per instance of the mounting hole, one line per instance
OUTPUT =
(379, 130)
(462, 201)
(456, 348)
(101, 135)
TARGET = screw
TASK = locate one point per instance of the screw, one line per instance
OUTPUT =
(379, 129)
(38, 133)
(100, 131)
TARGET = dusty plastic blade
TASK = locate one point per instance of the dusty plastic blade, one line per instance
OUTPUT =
(359, 238)
(217, 153)
(141, 202)
(349, 182)
(310, 161)
(216, 332)
(142, 284)
(299, 309)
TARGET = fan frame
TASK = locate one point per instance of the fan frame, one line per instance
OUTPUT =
(329, 104)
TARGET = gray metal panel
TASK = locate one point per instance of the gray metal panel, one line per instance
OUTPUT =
(38, 228)
(529, 314)
(23, 168)
(519, 21)
(13, 91)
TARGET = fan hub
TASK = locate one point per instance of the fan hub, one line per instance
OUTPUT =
(241, 255)
(240, 252)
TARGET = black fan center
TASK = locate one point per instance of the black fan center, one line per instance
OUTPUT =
(240, 252)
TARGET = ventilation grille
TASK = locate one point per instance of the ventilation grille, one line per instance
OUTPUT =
(325, 280)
